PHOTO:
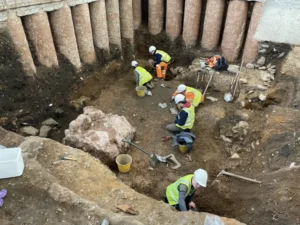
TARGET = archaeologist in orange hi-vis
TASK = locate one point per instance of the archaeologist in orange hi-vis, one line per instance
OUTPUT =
(192, 95)
(141, 76)
(180, 193)
(185, 118)
(162, 60)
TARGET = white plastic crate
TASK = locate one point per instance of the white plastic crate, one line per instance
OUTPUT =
(11, 162)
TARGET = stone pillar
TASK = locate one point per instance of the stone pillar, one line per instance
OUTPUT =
(252, 45)
(17, 34)
(99, 25)
(126, 16)
(212, 23)
(137, 13)
(113, 21)
(64, 35)
(83, 30)
(234, 31)
(155, 16)
(39, 34)
(174, 18)
(191, 21)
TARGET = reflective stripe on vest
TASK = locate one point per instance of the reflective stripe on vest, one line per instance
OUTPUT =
(144, 75)
(189, 123)
(172, 192)
(197, 95)
(164, 56)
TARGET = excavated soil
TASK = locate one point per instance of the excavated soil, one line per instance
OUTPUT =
(251, 203)
(111, 89)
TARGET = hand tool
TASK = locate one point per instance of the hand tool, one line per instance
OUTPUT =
(223, 172)
(155, 159)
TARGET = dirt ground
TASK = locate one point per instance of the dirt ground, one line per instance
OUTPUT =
(266, 151)
(251, 203)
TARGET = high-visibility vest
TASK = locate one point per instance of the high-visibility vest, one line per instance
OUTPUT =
(172, 192)
(144, 75)
(164, 56)
(197, 96)
(189, 123)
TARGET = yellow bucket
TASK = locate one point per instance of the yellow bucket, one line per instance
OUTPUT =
(183, 148)
(124, 162)
(141, 91)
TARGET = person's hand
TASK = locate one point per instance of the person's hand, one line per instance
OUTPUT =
(192, 205)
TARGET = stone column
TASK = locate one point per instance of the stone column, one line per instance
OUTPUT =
(17, 34)
(137, 13)
(114, 30)
(252, 45)
(39, 34)
(83, 30)
(64, 35)
(174, 18)
(99, 25)
(155, 16)
(126, 16)
(212, 24)
(234, 31)
(191, 22)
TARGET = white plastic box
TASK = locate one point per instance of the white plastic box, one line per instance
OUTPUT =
(11, 162)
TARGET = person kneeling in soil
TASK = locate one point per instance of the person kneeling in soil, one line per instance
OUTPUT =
(192, 95)
(185, 118)
(142, 76)
(162, 60)
(180, 193)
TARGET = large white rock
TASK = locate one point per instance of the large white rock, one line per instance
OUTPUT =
(100, 134)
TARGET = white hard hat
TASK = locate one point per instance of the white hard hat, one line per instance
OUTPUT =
(201, 177)
(152, 49)
(181, 88)
(134, 63)
(179, 98)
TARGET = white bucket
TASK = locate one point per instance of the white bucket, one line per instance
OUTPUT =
(11, 162)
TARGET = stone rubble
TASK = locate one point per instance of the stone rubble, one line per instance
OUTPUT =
(99, 134)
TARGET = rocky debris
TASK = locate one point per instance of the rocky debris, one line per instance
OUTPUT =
(262, 97)
(262, 50)
(29, 131)
(50, 122)
(261, 87)
(250, 66)
(266, 77)
(271, 71)
(211, 98)
(100, 134)
(44, 131)
(243, 115)
(235, 156)
(261, 61)
(225, 139)
(212, 113)
(280, 55)
(78, 104)
(151, 62)
(243, 81)
(233, 68)
(265, 45)
(262, 68)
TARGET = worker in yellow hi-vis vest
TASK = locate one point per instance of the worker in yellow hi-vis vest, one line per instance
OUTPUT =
(185, 118)
(142, 76)
(180, 193)
(162, 60)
